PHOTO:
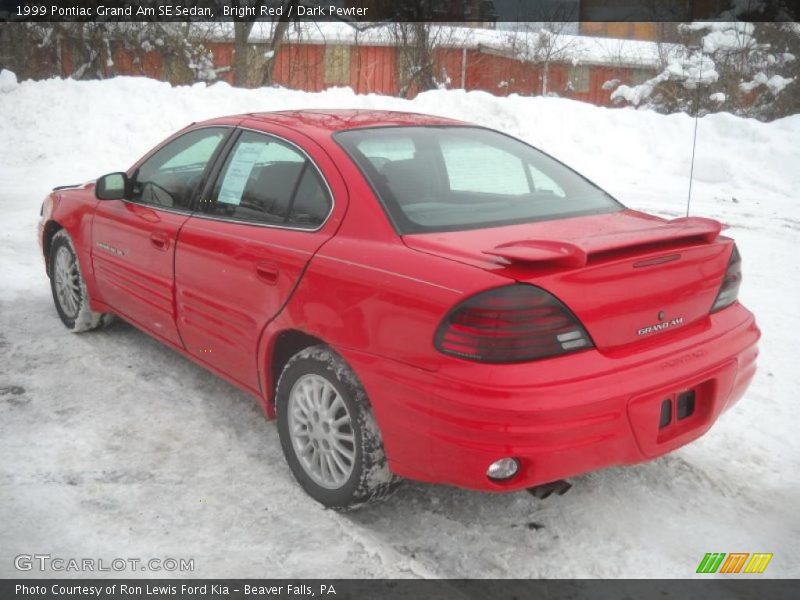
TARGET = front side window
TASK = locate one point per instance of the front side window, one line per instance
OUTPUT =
(170, 177)
(267, 181)
(454, 178)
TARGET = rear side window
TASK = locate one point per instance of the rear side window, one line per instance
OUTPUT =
(265, 180)
(455, 178)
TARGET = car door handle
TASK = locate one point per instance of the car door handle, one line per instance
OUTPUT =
(160, 240)
(267, 272)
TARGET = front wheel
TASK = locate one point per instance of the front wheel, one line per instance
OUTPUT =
(69, 289)
(328, 434)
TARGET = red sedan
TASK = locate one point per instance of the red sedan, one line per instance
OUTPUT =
(411, 296)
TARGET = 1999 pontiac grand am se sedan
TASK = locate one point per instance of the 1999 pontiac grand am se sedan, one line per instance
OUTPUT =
(411, 296)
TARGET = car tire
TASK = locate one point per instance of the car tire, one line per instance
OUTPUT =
(328, 433)
(69, 288)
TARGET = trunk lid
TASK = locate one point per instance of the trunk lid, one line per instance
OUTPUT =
(627, 276)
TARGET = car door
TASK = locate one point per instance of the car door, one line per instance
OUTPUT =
(134, 239)
(268, 210)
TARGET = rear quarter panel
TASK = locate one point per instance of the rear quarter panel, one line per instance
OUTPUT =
(364, 290)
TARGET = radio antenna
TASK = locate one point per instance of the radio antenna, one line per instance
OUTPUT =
(696, 116)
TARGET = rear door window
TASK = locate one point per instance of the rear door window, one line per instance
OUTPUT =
(267, 181)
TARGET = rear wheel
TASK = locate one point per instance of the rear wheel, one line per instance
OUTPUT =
(328, 432)
(69, 289)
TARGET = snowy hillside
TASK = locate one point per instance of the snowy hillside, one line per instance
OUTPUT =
(113, 446)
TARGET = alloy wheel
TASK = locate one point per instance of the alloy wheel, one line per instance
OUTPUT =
(321, 431)
(67, 282)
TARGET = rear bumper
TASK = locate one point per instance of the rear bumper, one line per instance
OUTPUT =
(559, 417)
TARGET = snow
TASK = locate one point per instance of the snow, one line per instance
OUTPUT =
(693, 70)
(690, 70)
(724, 36)
(635, 94)
(774, 84)
(727, 52)
(8, 81)
(571, 48)
(610, 84)
(112, 445)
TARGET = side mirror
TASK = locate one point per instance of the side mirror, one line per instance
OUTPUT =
(111, 187)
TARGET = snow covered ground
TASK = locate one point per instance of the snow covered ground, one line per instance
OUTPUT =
(113, 446)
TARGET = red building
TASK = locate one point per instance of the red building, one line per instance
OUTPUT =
(497, 62)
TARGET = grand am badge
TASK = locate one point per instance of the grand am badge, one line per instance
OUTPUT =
(659, 327)
(111, 249)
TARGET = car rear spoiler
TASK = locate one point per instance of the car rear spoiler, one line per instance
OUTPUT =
(576, 253)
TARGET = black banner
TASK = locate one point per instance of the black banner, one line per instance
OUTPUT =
(476, 11)
(733, 588)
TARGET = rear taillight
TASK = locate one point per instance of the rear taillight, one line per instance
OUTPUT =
(514, 323)
(729, 291)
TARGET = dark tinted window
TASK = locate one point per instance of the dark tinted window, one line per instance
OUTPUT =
(311, 205)
(265, 180)
(171, 176)
(454, 178)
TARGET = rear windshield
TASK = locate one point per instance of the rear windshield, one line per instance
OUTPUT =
(454, 178)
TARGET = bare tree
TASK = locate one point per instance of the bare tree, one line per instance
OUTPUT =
(542, 44)
(182, 48)
(89, 50)
(248, 67)
(31, 50)
(416, 43)
(414, 56)
(241, 59)
(278, 36)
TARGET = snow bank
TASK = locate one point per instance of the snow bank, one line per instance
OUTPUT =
(95, 127)
(105, 427)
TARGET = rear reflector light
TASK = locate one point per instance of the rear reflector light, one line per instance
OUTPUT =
(729, 290)
(515, 323)
(666, 413)
(685, 406)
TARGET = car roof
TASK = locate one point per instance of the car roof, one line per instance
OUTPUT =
(333, 120)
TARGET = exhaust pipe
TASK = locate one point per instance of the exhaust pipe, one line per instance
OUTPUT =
(545, 490)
